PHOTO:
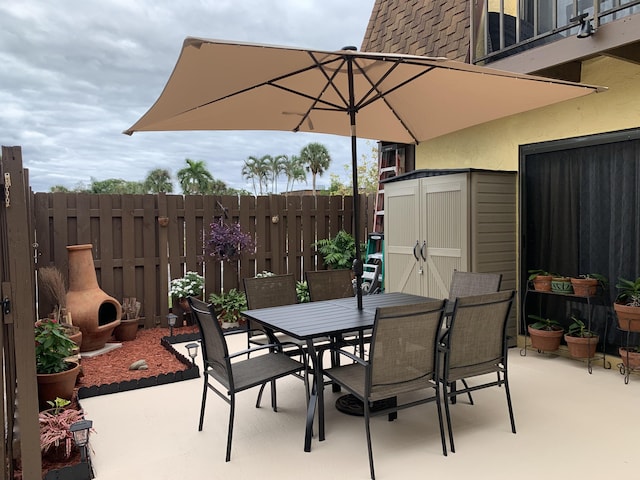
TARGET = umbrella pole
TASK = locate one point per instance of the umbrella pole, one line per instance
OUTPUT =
(357, 263)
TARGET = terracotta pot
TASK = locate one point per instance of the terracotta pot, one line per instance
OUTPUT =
(545, 340)
(628, 317)
(96, 313)
(53, 385)
(584, 287)
(542, 283)
(582, 347)
(630, 358)
(127, 330)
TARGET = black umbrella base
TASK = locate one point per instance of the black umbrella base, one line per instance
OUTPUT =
(352, 406)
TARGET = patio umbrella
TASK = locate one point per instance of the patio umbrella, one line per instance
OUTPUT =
(224, 85)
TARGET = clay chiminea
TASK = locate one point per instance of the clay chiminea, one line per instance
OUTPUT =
(95, 312)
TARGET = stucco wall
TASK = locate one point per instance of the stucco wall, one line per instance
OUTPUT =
(495, 145)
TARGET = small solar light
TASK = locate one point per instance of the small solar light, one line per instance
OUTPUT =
(192, 348)
(80, 431)
(171, 318)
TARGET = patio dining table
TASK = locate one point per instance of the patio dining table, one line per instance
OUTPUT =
(328, 318)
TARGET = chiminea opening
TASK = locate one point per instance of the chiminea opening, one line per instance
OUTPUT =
(107, 313)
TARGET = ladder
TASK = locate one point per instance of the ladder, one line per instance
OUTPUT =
(391, 160)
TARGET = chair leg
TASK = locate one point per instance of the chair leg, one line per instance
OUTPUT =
(232, 409)
(448, 415)
(259, 399)
(440, 422)
(204, 401)
(274, 403)
(367, 417)
(506, 388)
(464, 382)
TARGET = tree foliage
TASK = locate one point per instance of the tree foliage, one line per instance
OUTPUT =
(316, 159)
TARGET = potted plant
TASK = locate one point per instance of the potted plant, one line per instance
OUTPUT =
(587, 285)
(338, 252)
(581, 341)
(561, 284)
(627, 304)
(129, 323)
(191, 285)
(630, 356)
(545, 334)
(56, 439)
(541, 280)
(56, 375)
(226, 242)
(228, 306)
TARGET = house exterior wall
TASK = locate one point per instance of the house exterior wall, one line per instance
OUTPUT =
(494, 145)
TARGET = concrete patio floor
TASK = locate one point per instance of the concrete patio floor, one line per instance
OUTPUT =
(570, 424)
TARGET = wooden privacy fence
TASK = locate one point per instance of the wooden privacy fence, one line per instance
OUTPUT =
(141, 242)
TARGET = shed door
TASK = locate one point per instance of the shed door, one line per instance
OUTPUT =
(445, 227)
(401, 232)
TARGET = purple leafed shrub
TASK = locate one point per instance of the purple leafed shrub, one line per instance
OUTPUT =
(227, 242)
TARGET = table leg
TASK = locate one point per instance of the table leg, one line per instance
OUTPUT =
(313, 399)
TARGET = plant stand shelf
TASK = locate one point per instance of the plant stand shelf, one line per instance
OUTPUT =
(598, 299)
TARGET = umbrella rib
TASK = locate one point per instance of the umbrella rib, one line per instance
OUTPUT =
(382, 96)
(272, 83)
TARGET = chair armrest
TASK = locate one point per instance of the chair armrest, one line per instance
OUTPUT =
(273, 346)
(353, 357)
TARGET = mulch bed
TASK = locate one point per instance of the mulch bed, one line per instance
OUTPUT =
(113, 367)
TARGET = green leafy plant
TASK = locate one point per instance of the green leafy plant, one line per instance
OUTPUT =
(58, 405)
(604, 281)
(302, 291)
(229, 304)
(628, 292)
(544, 323)
(191, 285)
(52, 347)
(579, 329)
(338, 252)
(534, 273)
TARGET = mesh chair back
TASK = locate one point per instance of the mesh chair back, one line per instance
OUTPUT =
(464, 284)
(273, 291)
(477, 334)
(214, 346)
(329, 284)
(403, 346)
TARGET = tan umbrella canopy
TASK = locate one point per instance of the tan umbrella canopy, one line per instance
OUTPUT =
(223, 85)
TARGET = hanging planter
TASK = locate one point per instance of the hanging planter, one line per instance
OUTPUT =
(227, 242)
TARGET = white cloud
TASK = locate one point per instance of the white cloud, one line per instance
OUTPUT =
(76, 74)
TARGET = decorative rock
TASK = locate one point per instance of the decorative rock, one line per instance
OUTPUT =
(139, 365)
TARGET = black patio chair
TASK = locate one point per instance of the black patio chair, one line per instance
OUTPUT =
(464, 284)
(476, 344)
(333, 284)
(237, 375)
(402, 359)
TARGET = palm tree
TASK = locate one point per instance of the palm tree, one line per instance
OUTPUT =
(194, 178)
(257, 169)
(158, 180)
(276, 166)
(294, 171)
(316, 158)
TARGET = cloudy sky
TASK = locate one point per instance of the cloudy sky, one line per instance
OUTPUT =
(75, 74)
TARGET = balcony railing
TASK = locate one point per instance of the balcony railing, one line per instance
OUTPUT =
(500, 28)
